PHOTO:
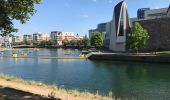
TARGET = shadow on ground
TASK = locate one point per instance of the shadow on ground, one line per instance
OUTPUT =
(12, 94)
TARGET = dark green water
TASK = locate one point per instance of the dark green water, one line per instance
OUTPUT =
(133, 81)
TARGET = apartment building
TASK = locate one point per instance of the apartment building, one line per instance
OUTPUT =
(16, 39)
(27, 38)
(59, 36)
(41, 36)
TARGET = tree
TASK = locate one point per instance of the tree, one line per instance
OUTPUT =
(137, 38)
(85, 41)
(50, 43)
(35, 42)
(10, 10)
(65, 42)
(97, 39)
(43, 43)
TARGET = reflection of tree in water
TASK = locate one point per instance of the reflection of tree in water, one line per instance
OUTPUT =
(117, 76)
(143, 71)
(136, 80)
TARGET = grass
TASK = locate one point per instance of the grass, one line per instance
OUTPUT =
(163, 53)
(74, 93)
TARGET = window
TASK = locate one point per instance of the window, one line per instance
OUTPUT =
(121, 27)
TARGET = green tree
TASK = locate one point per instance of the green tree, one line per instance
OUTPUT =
(137, 38)
(97, 39)
(43, 43)
(85, 41)
(65, 42)
(35, 42)
(50, 43)
(10, 10)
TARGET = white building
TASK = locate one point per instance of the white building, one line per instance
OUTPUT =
(41, 36)
(59, 36)
(27, 38)
(17, 39)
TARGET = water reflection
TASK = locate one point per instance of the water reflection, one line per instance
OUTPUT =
(133, 81)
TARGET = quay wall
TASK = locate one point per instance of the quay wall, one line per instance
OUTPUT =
(131, 58)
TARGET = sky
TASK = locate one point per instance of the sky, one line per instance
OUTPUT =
(78, 15)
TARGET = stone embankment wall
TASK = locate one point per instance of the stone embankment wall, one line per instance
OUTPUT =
(131, 58)
(159, 32)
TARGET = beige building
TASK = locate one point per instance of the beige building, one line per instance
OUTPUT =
(41, 37)
(27, 38)
(17, 39)
(59, 36)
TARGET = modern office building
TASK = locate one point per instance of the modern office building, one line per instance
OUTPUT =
(146, 13)
(141, 13)
(100, 28)
(119, 28)
(91, 33)
(41, 36)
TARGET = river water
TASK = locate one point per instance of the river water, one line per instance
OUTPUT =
(126, 80)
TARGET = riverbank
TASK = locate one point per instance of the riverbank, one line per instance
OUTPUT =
(45, 90)
(140, 57)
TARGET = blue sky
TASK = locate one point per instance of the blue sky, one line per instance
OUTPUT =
(78, 15)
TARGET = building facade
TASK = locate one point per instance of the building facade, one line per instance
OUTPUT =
(147, 13)
(27, 38)
(59, 36)
(119, 28)
(141, 13)
(100, 28)
(17, 39)
(40, 37)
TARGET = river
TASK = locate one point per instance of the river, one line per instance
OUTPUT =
(126, 80)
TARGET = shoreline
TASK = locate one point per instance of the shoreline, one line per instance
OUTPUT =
(146, 58)
(45, 90)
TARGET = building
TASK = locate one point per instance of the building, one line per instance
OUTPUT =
(68, 36)
(59, 36)
(40, 37)
(78, 37)
(27, 38)
(7, 41)
(1, 40)
(17, 39)
(91, 33)
(141, 13)
(118, 28)
(147, 13)
(100, 28)
(107, 36)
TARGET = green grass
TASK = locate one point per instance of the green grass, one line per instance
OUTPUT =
(163, 53)
(75, 93)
